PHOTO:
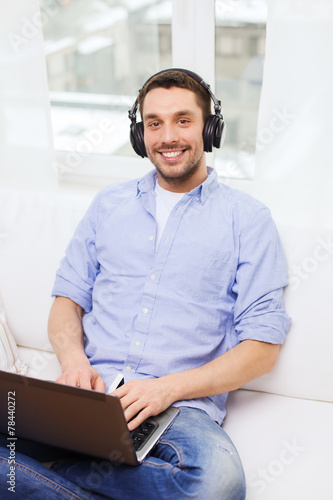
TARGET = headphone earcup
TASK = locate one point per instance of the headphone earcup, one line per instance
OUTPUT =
(213, 133)
(137, 139)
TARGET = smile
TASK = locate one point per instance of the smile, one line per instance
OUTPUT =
(172, 154)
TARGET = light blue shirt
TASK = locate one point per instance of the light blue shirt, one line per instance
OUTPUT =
(216, 279)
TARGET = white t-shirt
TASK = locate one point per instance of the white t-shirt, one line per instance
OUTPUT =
(165, 201)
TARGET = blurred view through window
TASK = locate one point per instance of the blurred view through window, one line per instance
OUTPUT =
(239, 57)
(99, 53)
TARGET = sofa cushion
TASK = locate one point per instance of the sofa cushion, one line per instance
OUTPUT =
(285, 445)
(43, 364)
(35, 229)
(305, 365)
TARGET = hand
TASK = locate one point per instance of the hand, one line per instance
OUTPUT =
(84, 376)
(144, 398)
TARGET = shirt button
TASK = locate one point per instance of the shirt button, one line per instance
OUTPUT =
(128, 368)
(152, 276)
(151, 238)
(144, 310)
(198, 199)
(137, 343)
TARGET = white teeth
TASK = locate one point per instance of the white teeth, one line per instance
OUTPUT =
(172, 154)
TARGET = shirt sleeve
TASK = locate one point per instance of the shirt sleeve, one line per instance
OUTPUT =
(261, 275)
(78, 269)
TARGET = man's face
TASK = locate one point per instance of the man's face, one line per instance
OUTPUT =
(173, 125)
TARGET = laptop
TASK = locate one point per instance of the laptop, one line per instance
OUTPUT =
(76, 419)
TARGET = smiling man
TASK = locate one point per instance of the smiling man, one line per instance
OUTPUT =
(173, 138)
(175, 281)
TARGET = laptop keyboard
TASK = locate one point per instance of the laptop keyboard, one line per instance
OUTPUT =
(141, 434)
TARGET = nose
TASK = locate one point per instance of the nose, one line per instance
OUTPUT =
(169, 133)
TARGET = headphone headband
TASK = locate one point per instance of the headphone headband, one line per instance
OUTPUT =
(214, 129)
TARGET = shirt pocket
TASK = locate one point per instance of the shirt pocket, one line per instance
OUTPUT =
(203, 277)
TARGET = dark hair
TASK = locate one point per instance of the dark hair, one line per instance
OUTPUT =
(175, 78)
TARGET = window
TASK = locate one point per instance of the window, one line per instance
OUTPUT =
(99, 53)
(240, 41)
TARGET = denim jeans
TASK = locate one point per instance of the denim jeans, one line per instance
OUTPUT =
(194, 460)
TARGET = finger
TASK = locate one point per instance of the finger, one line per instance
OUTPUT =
(84, 381)
(139, 419)
(74, 378)
(61, 380)
(99, 384)
(128, 400)
(126, 396)
(121, 391)
(69, 379)
(135, 408)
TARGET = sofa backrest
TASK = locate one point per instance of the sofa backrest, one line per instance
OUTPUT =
(305, 364)
(35, 229)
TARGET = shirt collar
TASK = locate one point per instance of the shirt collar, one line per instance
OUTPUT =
(147, 184)
(207, 187)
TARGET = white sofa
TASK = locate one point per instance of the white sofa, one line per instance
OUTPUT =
(282, 423)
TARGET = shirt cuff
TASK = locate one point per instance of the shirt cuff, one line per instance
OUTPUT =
(271, 327)
(63, 288)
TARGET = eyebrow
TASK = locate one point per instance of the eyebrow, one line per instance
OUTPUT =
(182, 112)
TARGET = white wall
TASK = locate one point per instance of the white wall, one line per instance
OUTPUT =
(26, 149)
(294, 173)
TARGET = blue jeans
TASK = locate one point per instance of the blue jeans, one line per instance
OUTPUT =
(194, 460)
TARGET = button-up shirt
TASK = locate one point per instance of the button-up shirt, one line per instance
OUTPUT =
(215, 279)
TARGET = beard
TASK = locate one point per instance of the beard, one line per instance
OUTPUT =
(176, 173)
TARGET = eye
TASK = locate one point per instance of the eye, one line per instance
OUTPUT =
(153, 124)
(183, 121)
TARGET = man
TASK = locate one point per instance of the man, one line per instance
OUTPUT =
(176, 281)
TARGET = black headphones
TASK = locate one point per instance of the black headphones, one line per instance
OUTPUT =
(214, 128)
